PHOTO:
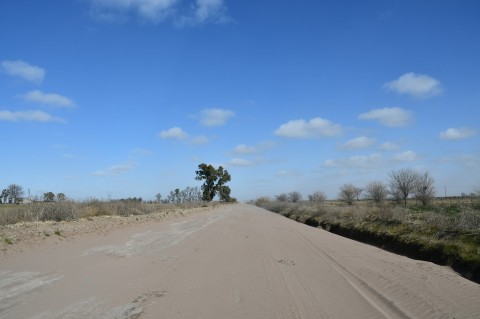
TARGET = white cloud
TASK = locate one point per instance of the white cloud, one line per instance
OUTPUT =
(316, 127)
(23, 70)
(48, 98)
(416, 85)
(457, 133)
(118, 10)
(288, 173)
(197, 12)
(29, 116)
(243, 149)
(241, 162)
(215, 117)
(358, 161)
(407, 156)
(208, 9)
(389, 116)
(115, 170)
(360, 142)
(389, 146)
(200, 140)
(173, 133)
(205, 11)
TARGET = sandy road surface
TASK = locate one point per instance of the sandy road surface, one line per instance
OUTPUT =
(232, 262)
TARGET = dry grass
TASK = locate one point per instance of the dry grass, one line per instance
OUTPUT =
(64, 211)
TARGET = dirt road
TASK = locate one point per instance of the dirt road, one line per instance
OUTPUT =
(236, 261)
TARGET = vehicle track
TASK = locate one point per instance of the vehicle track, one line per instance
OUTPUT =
(236, 261)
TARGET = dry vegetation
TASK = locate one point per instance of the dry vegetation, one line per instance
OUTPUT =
(65, 211)
(31, 224)
(444, 232)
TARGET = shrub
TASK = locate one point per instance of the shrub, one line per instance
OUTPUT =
(262, 201)
(469, 220)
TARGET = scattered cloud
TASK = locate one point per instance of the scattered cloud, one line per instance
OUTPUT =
(389, 116)
(284, 173)
(316, 127)
(155, 11)
(358, 161)
(48, 99)
(372, 161)
(175, 133)
(457, 133)
(243, 149)
(210, 10)
(115, 170)
(241, 162)
(360, 142)
(29, 116)
(415, 85)
(389, 146)
(407, 156)
(119, 10)
(467, 160)
(205, 11)
(200, 140)
(24, 70)
(215, 117)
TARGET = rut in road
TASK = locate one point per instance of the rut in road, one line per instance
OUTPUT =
(237, 261)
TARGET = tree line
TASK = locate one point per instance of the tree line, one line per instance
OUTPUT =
(400, 186)
(215, 180)
(14, 193)
(214, 184)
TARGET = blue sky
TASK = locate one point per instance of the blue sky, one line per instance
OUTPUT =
(124, 98)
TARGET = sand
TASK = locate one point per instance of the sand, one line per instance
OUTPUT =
(235, 261)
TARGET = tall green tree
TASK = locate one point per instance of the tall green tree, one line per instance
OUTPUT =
(48, 197)
(61, 197)
(214, 182)
(223, 178)
(208, 173)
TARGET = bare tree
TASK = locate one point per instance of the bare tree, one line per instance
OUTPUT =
(376, 191)
(358, 192)
(294, 197)
(402, 183)
(158, 196)
(282, 197)
(15, 191)
(424, 189)
(348, 193)
(476, 191)
(317, 197)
